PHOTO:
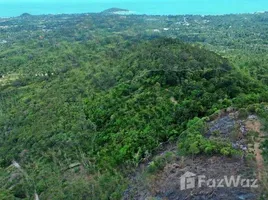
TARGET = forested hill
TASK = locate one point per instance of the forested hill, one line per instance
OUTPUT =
(85, 99)
(114, 11)
(75, 133)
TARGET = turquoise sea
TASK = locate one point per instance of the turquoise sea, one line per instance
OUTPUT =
(154, 7)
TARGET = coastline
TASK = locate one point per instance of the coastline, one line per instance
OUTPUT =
(8, 10)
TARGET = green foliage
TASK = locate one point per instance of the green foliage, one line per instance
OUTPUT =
(114, 113)
(243, 113)
(194, 142)
(101, 91)
(160, 162)
(6, 195)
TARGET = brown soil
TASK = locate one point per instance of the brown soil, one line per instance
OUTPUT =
(166, 184)
(255, 125)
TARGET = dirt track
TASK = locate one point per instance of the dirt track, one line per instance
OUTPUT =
(255, 125)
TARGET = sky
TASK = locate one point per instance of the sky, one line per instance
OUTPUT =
(86, 1)
(59, 1)
(9, 8)
(123, 1)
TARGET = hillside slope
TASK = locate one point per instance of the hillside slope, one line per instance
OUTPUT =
(78, 132)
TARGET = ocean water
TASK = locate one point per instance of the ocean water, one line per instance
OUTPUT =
(152, 7)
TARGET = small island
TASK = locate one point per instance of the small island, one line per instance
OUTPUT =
(25, 15)
(116, 11)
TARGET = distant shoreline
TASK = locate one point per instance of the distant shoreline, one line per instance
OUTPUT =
(8, 10)
(137, 14)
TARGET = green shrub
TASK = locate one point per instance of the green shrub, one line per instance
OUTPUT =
(251, 109)
(243, 113)
(160, 162)
(6, 195)
(192, 142)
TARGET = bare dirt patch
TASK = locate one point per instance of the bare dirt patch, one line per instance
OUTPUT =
(166, 184)
(255, 125)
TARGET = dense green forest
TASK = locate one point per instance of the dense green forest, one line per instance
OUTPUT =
(84, 99)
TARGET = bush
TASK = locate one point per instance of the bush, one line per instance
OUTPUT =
(160, 162)
(243, 113)
(192, 142)
(251, 109)
(6, 195)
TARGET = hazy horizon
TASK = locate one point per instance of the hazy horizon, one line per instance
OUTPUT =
(10, 8)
